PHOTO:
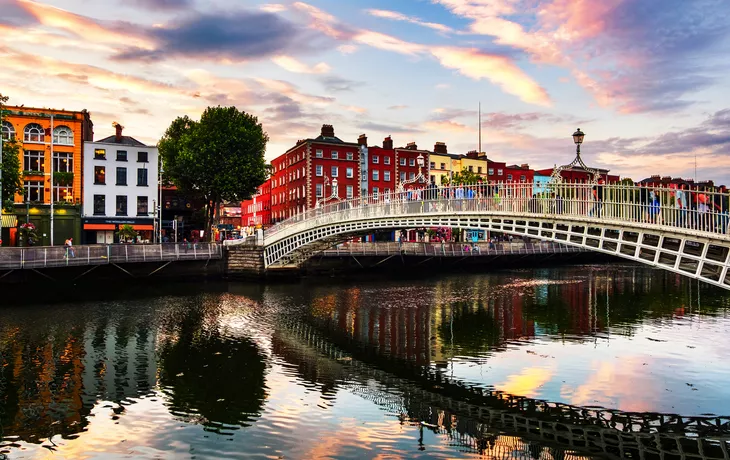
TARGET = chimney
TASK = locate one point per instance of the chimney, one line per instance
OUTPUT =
(362, 140)
(328, 131)
(440, 147)
(118, 135)
(411, 146)
(473, 154)
(388, 143)
(525, 166)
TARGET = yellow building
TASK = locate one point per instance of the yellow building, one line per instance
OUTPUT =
(31, 127)
(444, 165)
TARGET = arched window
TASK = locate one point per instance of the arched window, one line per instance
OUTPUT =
(34, 133)
(63, 136)
(8, 131)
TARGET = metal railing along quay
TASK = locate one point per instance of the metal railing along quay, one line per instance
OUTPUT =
(449, 249)
(103, 254)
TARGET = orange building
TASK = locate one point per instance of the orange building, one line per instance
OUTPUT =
(31, 127)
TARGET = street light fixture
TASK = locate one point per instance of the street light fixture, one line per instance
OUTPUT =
(335, 193)
(578, 137)
(420, 178)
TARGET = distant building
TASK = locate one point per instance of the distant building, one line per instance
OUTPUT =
(120, 188)
(32, 127)
(257, 211)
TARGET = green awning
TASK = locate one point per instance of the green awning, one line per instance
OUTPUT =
(9, 220)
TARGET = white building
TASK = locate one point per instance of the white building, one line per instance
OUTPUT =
(120, 187)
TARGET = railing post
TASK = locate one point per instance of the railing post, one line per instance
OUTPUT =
(22, 258)
(45, 257)
(126, 253)
(108, 254)
(177, 251)
(144, 253)
(195, 251)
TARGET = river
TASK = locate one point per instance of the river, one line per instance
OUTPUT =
(562, 362)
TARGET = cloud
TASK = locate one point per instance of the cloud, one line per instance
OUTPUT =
(449, 126)
(347, 49)
(397, 107)
(389, 128)
(395, 16)
(164, 4)
(335, 84)
(325, 22)
(388, 43)
(443, 86)
(295, 66)
(273, 8)
(15, 15)
(498, 69)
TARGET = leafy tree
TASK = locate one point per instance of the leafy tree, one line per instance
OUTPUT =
(10, 167)
(466, 177)
(219, 158)
(126, 232)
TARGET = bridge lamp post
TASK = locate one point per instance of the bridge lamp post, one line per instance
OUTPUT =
(578, 139)
(421, 161)
(335, 193)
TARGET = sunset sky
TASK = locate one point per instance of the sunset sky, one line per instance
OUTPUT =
(647, 80)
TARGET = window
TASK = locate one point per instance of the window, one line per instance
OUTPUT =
(319, 154)
(33, 160)
(318, 190)
(142, 208)
(63, 193)
(99, 205)
(411, 162)
(8, 131)
(376, 174)
(318, 171)
(443, 165)
(121, 205)
(479, 169)
(121, 155)
(349, 156)
(375, 192)
(142, 157)
(63, 162)
(335, 155)
(141, 177)
(63, 136)
(349, 173)
(121, 176)
(433, 165)
(349, 192)
(523, 178)
(34, 190)
(402, 176)
(376, 159)
(386, 176)
(34, 133)
(99, 154)
(402, 161)
(334, 171)
(490, 171)
(471, 168)
(386, 160)
(99, 175)
(433, 179)
(509, 177)
(500, 172)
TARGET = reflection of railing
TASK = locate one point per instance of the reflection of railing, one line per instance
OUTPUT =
(448, 249)
(61, 256)
(588, 430)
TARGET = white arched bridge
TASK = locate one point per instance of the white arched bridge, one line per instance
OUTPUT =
(683, 231)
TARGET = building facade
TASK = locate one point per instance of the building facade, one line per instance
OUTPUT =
(120, 188)
(52, 143)
(256, 212)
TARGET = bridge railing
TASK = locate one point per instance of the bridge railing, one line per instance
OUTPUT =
(448, 249)
(102, 254)
(703, 211)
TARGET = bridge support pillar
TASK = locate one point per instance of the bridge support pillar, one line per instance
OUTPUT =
(247, 262)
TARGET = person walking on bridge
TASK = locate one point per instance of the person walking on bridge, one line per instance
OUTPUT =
(598, 199)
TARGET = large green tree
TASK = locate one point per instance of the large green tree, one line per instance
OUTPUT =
(10, 166)
(219, 158)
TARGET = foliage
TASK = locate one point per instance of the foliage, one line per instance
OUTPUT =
(28, 234)
(63, 178)
(219, 158)
(30, 172)
(627, 181)
(464, 177)
(126, 233)
(10, 167)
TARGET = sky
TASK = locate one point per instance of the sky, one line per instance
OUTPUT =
(646, 80)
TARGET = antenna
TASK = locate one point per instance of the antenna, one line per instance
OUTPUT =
(695, 167)
(480, 129)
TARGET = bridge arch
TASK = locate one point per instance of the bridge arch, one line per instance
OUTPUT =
(619, 231)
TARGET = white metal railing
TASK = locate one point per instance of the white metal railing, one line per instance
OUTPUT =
(449, 249)
(101, 254)
(700, 211)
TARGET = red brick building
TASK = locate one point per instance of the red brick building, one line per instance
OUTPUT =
(519, 173)
(407, 167)
(257, 210)
(306, 173)
(580, 175)
(388, 167)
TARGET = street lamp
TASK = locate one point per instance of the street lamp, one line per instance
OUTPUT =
(420, 178)
(421, 161)
(335, 193)
(578, 139)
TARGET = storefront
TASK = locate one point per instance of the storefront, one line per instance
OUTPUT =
(105, 231)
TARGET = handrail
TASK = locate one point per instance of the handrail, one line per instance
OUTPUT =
(448, 249)
(703, 213)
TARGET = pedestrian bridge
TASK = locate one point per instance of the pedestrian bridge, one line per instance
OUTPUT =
(680, 231)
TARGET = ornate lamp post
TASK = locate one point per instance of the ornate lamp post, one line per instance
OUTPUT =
(420, 178)
(335, 192)
(578, 137)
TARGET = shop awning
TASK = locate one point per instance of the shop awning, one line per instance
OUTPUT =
(9, 220)
(99, 227)
(141, 228)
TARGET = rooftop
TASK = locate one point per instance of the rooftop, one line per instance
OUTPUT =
(125, 140)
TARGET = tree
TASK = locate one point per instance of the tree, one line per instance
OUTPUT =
(10, 167)
(466, 177)
(126, 233)
(219, 158)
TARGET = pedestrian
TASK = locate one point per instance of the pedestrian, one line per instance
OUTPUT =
(69, 248)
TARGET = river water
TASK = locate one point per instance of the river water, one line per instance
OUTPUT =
(444, 366)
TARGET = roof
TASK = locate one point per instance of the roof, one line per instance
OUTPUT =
(126, 140)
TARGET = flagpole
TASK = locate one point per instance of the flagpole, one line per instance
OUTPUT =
(480, 128)
(52, 179)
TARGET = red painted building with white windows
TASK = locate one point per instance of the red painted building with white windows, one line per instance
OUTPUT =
(257, 211)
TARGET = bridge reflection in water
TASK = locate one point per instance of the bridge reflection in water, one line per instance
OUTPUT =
(398, 358)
